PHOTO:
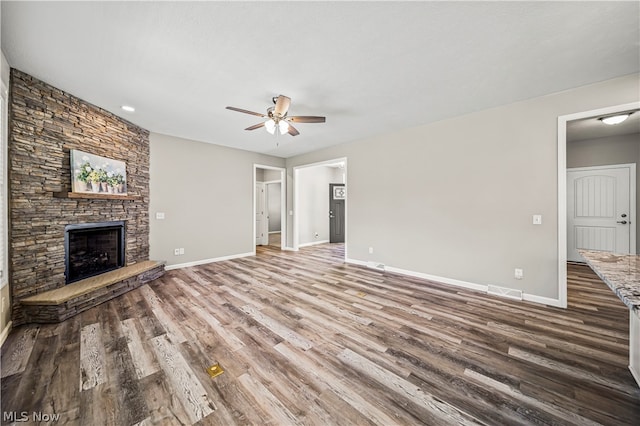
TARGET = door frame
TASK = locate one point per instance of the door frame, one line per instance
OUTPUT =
(296, 230)
(283, 203)
(632, 195)
(562, 188)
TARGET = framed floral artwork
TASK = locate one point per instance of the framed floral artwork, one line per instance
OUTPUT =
(95, 174)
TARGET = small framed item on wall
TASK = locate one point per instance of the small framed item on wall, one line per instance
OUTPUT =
(95, 174)
(339, 192)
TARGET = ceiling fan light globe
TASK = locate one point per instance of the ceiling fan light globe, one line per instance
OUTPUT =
(283, 126)
(270, 125)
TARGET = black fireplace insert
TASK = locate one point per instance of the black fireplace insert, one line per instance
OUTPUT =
(93, 248)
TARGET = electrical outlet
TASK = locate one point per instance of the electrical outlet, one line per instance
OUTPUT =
(370, 250)
(159, 215)
(181, 250)
(316, 235)
(537, 219)
(518, 274)
(176, 252)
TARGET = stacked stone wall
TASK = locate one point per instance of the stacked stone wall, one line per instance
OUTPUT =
(45, 123)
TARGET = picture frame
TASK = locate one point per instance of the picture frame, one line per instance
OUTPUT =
(91, 173)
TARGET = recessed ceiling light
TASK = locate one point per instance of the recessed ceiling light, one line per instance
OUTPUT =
(615, 119)
(128, 108)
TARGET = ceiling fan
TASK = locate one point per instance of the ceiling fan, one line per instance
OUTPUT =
(277, 118)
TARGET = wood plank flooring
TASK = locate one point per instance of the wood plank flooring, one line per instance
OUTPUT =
(304, 338)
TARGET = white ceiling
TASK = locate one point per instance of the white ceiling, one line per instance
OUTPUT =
(369, 67)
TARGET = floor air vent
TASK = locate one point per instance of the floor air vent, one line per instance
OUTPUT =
(511, 293)
(215, 370)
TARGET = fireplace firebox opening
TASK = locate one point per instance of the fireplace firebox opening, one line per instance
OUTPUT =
(93, 248)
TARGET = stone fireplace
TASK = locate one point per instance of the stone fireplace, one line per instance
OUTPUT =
(45, 123)
(92, 249)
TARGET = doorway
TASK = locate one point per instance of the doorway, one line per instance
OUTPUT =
(563, 122)
(273, 191)
(265, 181)
(337, 196)
(600, 209)
(311, 202)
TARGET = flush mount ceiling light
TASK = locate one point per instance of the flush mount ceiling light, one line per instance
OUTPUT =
(128, 108)
(615, 119)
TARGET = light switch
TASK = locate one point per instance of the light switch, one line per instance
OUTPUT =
(537, 219)
(159, 215)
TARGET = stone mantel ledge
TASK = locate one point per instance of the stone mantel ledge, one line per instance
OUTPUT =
(621, 272)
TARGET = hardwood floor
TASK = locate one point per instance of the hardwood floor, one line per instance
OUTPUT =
(275, 239)
(305, 339)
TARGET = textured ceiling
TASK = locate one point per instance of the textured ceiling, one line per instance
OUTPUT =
(369, 67)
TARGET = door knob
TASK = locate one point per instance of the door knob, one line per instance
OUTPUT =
(624, 222)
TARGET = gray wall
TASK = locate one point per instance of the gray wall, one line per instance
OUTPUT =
(622, 149)
(206, 193)
(271, 175)
(455, 198)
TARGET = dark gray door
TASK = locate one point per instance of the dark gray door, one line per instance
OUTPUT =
(337, 196)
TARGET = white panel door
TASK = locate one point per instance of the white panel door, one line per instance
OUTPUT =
(598, 210)
(262, 236)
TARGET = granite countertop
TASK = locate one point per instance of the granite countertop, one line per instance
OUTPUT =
(621, 272)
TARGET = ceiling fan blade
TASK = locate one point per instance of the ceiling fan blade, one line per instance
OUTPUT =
(293, 131)
(307, 119)
(255, 126)
(282, 106)
(246, 111)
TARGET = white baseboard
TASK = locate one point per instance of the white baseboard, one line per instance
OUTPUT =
(313, 243)
(205, 261)
(458, 283)
(444, 280)
(5, 333)
(356, 262)
(635, 375)
(542, 300)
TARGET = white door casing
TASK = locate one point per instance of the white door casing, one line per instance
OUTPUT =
(600, 210)
(561, 301)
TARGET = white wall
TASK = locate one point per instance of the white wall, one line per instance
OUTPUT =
(455, 198)
(206, 193)
(274, 191)
(313, 203)
(4, 288)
